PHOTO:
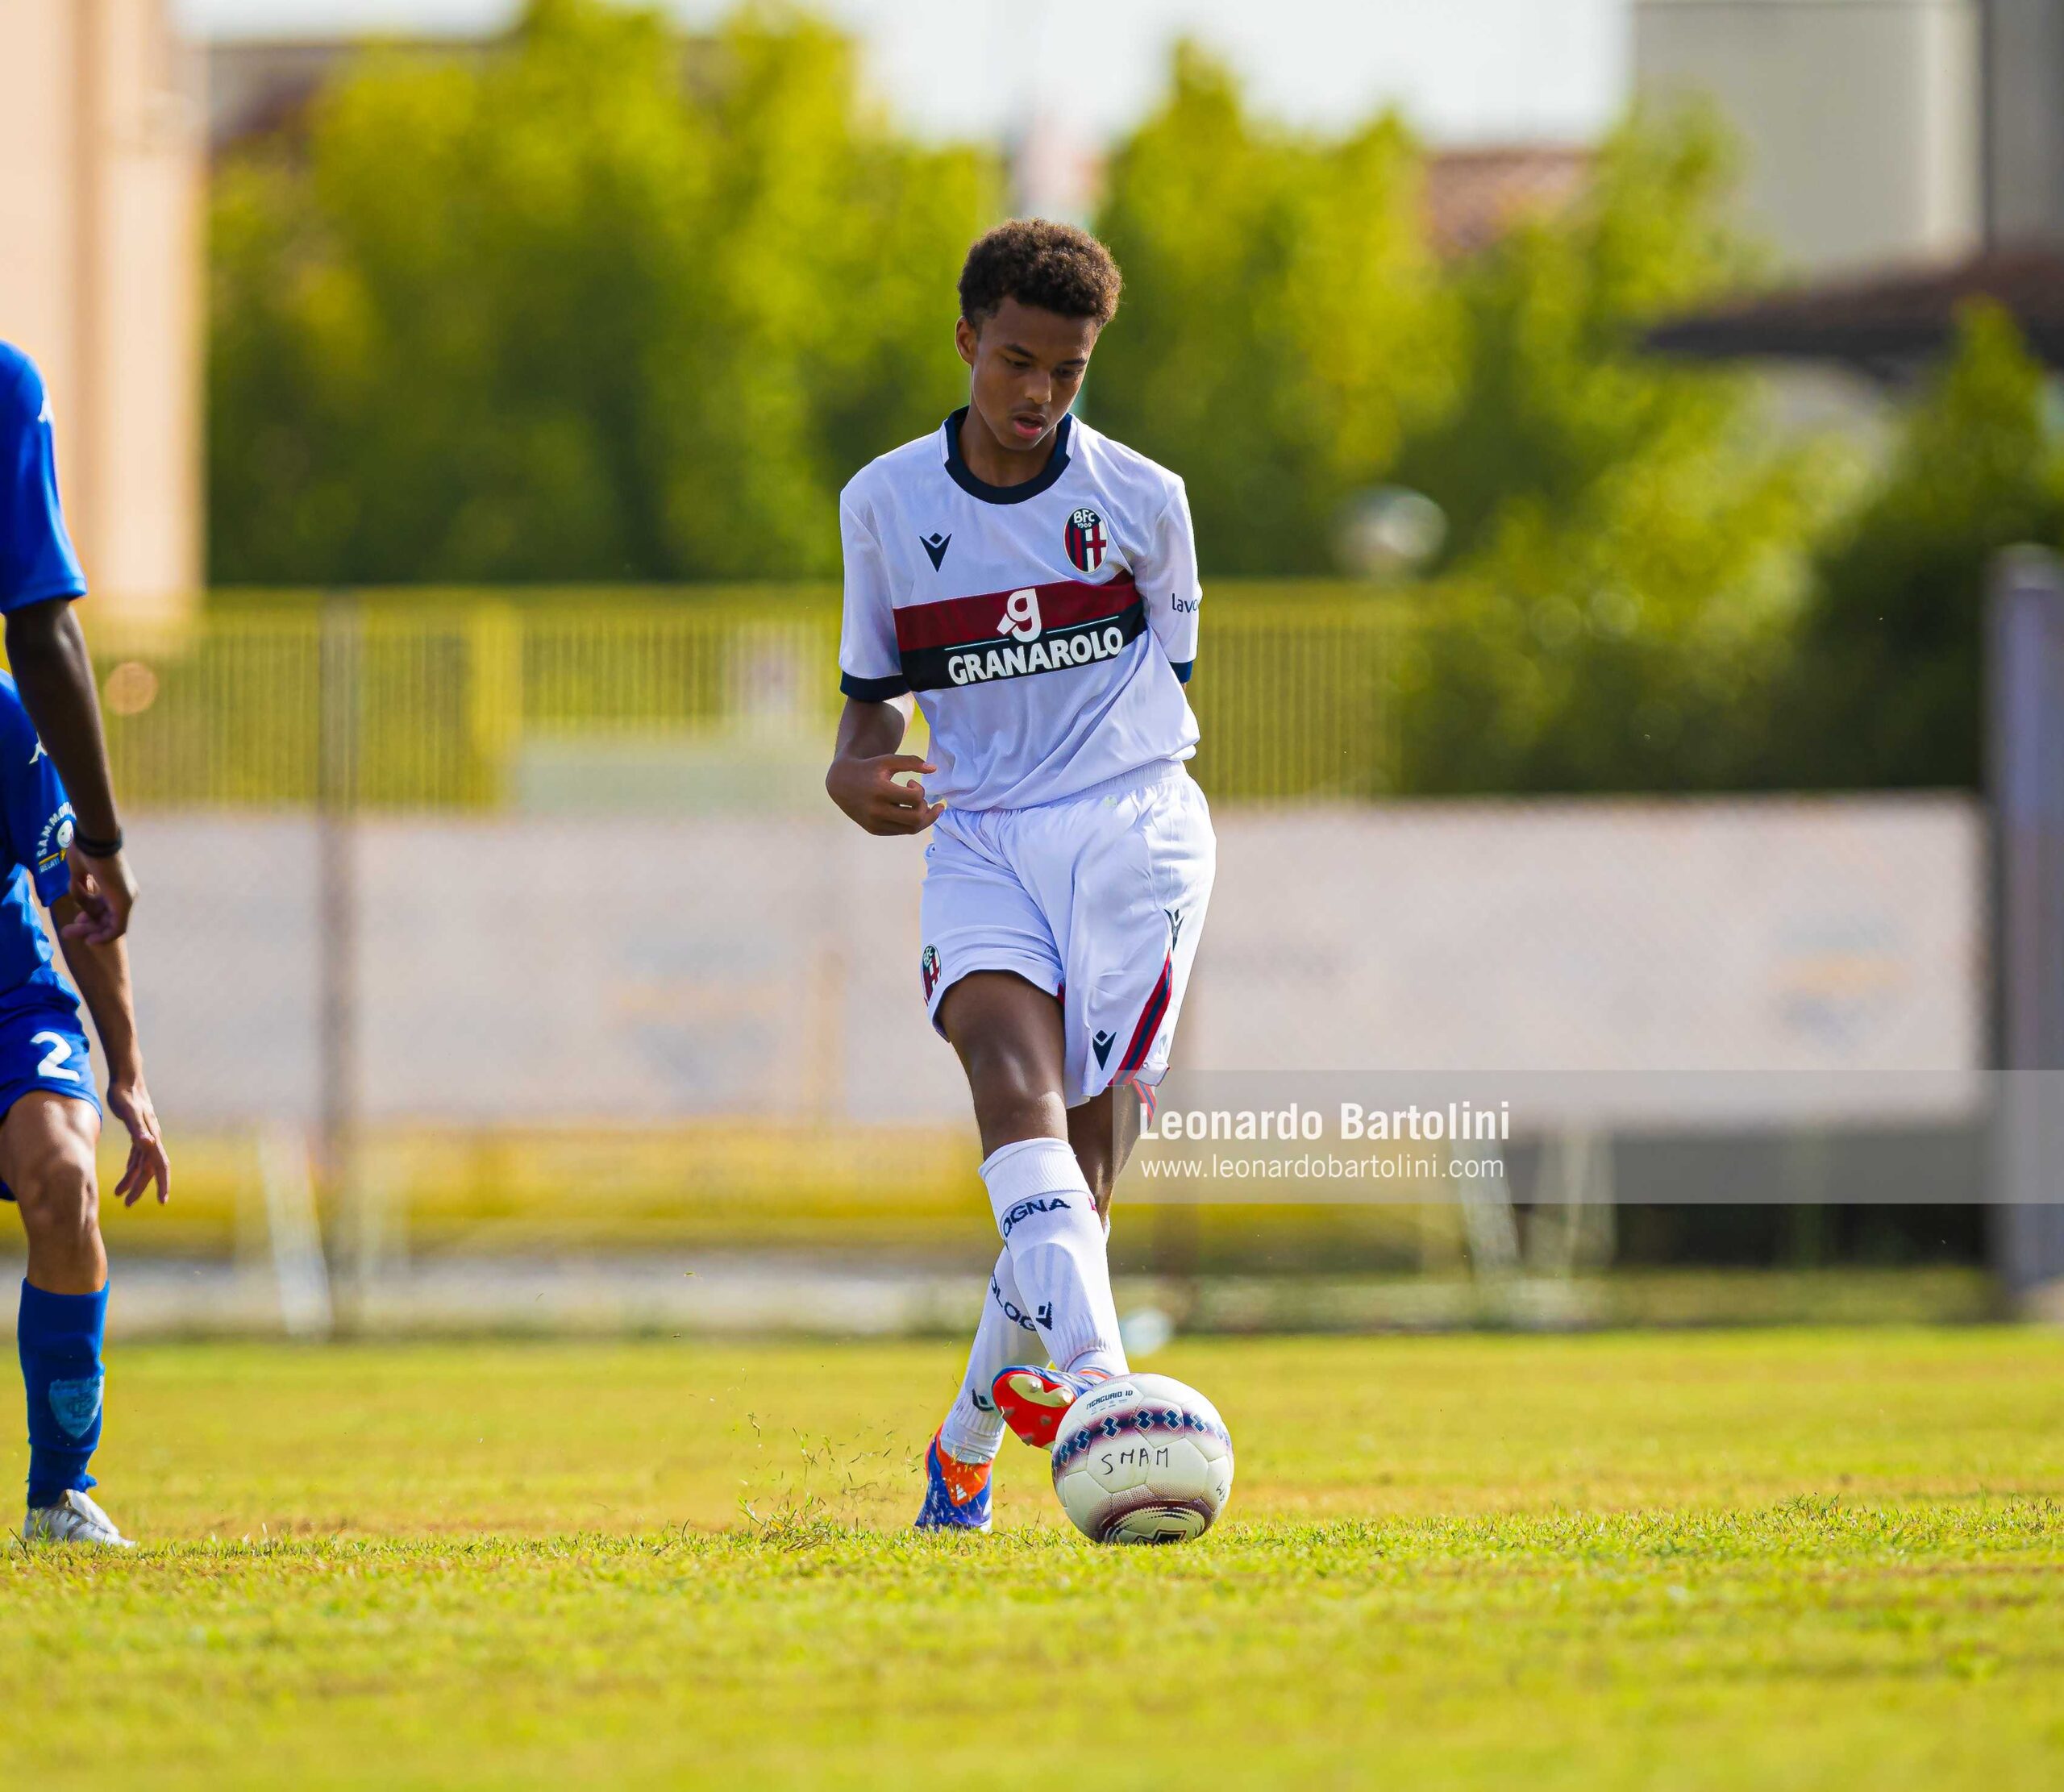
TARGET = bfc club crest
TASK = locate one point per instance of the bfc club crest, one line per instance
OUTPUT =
(928, 969)
(1086, 540)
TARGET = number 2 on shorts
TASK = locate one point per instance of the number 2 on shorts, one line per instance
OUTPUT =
(53, 1064)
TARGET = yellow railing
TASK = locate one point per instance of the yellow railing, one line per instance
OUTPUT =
(438, 702)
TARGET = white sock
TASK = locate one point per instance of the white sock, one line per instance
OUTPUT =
(973, 1431)
(1056, 1241)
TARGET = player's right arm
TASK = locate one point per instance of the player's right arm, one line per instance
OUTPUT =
(48, 652)
(39, 578)
(863, 780)
(37, 820)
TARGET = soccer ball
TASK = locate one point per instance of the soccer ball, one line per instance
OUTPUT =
(1143, 1459)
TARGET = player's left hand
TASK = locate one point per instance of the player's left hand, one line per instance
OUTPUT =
(131, 1103)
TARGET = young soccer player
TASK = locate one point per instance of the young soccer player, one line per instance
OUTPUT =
(1033, 585)
(49, 1113)
(49, 1126)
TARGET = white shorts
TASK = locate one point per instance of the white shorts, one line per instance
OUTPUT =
(1097, 899)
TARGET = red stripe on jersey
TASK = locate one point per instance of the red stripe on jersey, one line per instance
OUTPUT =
(963, 622)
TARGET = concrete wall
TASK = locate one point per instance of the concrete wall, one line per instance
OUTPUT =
(102, 175)
(1862, 119)
(1643, 963)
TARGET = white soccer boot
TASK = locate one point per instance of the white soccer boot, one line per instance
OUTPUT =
(74, 1519)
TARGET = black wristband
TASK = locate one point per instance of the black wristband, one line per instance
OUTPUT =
(97, 849)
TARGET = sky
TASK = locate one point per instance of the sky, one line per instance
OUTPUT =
(1463, 71)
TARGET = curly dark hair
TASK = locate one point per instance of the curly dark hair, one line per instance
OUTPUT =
(1035, 261)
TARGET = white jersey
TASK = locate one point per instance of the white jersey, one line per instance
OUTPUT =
(1046, 628)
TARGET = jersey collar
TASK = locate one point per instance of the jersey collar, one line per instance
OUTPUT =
(1056, 464)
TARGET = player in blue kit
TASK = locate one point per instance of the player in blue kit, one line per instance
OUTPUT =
(49, 1127)
(50, 1114)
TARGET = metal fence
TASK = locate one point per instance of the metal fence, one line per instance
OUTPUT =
(447, 705)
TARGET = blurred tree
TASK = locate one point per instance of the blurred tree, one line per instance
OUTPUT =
(562, 314)
(1628, 544)
(588, 310)
(1888, 688)
(1283, 322)
(1626, 547)
(1551, 393)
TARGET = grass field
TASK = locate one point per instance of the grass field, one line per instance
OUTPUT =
(1776, 1560)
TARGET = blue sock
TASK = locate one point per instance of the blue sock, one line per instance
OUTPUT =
(58, 1337)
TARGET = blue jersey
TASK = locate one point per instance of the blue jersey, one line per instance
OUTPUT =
(36, 829)
(37, 561)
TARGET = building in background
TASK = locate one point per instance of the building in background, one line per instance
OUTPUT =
(101, 165)
(1475, 195)
(1862, 119)
(1887, 326)
(1905, 157)
(1878, 131)
(2024, 120)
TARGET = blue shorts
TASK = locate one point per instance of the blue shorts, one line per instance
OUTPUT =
(44, 1047)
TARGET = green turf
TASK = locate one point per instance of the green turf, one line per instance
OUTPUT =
(1775, 1560)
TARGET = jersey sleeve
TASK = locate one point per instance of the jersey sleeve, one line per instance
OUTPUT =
(1168, 585)
(870, 667)
(37, 812)
(37, 560)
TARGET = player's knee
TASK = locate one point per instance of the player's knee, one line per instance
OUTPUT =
(60, 1200)
(1010, 1090)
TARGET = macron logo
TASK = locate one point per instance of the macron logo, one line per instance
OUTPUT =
(935, 545)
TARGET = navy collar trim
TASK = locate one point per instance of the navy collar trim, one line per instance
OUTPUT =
(1056, 465)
